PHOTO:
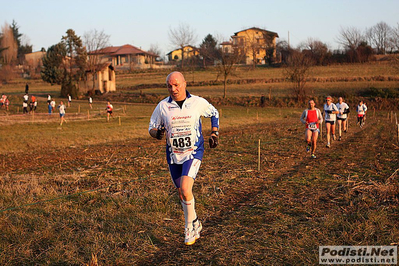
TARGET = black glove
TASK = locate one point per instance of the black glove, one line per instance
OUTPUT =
(213, 141)
(328, 112)
(160, 133)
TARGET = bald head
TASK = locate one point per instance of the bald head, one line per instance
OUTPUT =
(174, 75)
(176, 86)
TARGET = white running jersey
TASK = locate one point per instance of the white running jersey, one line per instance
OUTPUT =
(62, 108)
(330, 116)
(341, 108)
(184, 139)
(361, 109)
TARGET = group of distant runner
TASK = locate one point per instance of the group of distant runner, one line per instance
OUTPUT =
(334, 114)
(30, 103)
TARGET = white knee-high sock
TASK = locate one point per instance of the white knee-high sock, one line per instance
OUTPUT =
(189, 212)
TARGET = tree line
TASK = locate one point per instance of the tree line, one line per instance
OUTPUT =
(66, 62)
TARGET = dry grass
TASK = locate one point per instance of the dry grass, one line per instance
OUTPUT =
(277, 216)
(97, 193)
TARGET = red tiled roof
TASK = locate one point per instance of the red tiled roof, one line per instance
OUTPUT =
(121, 50)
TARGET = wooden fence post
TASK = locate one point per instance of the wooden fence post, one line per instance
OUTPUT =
(398, 131)
(259, 155)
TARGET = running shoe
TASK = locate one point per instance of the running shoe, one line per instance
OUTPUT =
(328, 145)
(345, 131)
(307, 148)
(192, 234)
(197, 225)
(189, 236)
(333, 137)
(339, 139)
(313, 156)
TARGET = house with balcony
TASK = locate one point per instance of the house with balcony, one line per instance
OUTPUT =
(259, 45)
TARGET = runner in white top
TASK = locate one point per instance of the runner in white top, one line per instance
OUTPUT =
(179, 116)
(361, 113)
(331, 112)
(342, 116)
(61, 108)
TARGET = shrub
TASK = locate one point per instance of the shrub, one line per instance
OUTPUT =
(380, 92)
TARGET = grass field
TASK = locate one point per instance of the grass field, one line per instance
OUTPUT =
(92, 188)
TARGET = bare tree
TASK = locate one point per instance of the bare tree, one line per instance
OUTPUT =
(182, 36)
(378, 36)
(317, 50)
(154, 49)
(8, 45)
(282, 50)
(226, 61)
(95, 41)
(395, 38)
(350, 37)
(297, 71)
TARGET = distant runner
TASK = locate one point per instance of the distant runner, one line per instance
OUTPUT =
(61, 108)
(361, 113)
(312, 118)
(342, 116)
(331, 112)
(69, 100)
(109, 110)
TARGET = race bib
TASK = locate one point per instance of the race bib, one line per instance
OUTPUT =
(181, 141)
(312, 126)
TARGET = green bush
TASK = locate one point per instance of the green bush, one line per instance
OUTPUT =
(380, 92)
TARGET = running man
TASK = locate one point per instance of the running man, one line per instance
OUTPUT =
(331, 112)
(312, 118)
(361, 113)
(179, 117)
(342, 116)
(109, 109)
(90, 102)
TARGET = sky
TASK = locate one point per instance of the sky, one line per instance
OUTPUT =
(146, 23)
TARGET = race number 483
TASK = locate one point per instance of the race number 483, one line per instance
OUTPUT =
(181, 142)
